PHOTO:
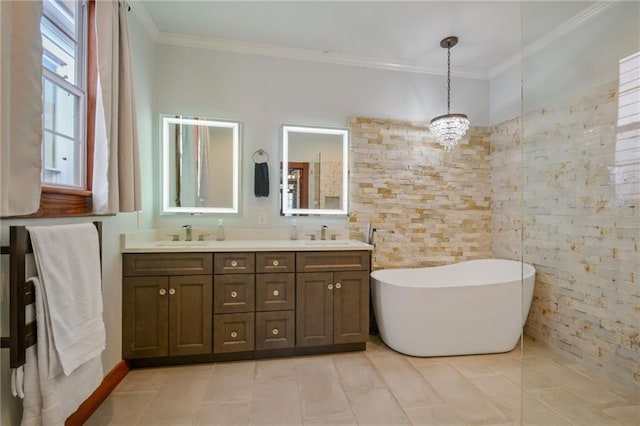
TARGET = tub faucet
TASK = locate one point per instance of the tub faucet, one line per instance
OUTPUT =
(323, 232)
(188, 236)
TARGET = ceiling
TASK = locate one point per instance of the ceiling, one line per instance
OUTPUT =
(383, 34)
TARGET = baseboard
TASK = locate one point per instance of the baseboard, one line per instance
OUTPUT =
(98, 396)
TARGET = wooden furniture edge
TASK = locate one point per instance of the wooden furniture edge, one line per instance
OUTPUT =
(91, 404)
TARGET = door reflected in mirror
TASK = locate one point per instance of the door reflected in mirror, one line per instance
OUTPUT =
(314, 170)
(200, 165)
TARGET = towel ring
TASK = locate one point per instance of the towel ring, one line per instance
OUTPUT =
(258, 153)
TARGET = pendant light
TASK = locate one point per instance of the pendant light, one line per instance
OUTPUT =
(449, 129)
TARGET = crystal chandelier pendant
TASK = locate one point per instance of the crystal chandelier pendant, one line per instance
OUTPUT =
(449, 129)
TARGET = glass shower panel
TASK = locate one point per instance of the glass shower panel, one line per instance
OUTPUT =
(581, 219)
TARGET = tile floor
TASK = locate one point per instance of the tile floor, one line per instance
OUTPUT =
(376, 387)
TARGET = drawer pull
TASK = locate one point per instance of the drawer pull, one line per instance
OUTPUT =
(276, 293)
(162, 292)
(338, 285)
(276, 263)
(234, 294)
(172, 291)
(234, 334)
(330, 286)
(234, 263)
(275, 331)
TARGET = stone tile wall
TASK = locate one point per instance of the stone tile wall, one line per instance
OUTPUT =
(436, 202)
(577, 231)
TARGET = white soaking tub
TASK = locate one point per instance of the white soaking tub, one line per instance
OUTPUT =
(472, 307)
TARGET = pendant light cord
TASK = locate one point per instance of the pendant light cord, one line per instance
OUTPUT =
(448, 78)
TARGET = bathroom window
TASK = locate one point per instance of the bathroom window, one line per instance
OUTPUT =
(68, 85)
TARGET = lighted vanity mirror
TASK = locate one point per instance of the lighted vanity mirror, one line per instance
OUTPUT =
(200, 165)
(314, 171)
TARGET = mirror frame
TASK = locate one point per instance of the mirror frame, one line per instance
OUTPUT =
(286, 129)
(166, 120)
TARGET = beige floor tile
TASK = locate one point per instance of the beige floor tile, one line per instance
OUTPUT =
(577, 410)
(230, 382)
(472, 366)
(121, 408)
(340, 420)
(142, 379)
(376, 407)
(403, 380)
(534, 413)
(356, 372)
(472, 405)
(627, 415)
(509, 367)
(175, 403)
(321, 394)
(442, 414)
(275, 369)
(275, 403)
(188, 372)
(503, 393)
(222, 414)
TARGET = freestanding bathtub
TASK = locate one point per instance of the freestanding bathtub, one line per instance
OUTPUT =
(472, 307)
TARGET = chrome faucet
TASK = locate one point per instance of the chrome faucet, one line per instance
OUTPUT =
(188, 236)
(323, 232)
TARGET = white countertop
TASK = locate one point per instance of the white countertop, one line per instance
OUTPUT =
(145, 243)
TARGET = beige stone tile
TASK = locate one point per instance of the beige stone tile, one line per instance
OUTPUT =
(222, 414)
(472, 366)
(626, 415)
(356, 372)
(230, 382)
(572, 407)
(504, 394)
(175, 403)
(472, 405)
(121, 408)
(339, 420)
(321, 394)
(509, 367)
(275, 403)
(442, 414)
(376, 407)
(188, 372)
(142, 379)
(276, 369)
(403, 380)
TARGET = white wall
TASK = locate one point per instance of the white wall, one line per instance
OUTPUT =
(143, 50)
(264, 93)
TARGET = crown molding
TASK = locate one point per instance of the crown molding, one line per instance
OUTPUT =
(310, 55)
(145, 19)
(551, 37)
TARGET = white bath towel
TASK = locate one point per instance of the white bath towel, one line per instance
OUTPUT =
(49, 401)
(68, 263)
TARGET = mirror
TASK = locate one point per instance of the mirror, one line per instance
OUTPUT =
(314, 170)
(200, 165)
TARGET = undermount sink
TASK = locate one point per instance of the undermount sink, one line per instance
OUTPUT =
(181, 243)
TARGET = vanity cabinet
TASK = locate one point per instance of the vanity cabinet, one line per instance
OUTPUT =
(167, 304)
(332, 302)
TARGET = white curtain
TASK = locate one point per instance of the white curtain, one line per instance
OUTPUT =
(20, 107)
(116, 170)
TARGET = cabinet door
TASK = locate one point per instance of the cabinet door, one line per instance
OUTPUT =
(314, 309)
(145, 312)
(351, 307)
(190, 299)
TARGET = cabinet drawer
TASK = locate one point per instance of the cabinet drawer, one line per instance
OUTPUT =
(233, 293)
(234, 263)
(275, 262)
(275, 292)
(233, 332)
(139, 264)
(318, 261)
(275, 330)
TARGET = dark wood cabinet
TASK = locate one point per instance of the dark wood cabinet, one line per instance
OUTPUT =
(166, 315)
(332, 307)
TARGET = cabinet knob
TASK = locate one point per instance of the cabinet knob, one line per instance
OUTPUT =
(276, 263)
(276, 293)
(275, 331)
(172, 291)
(330, 286)
(234, 263)
(234, 294)
(234, 334)
(338, 285)
(162, 292)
